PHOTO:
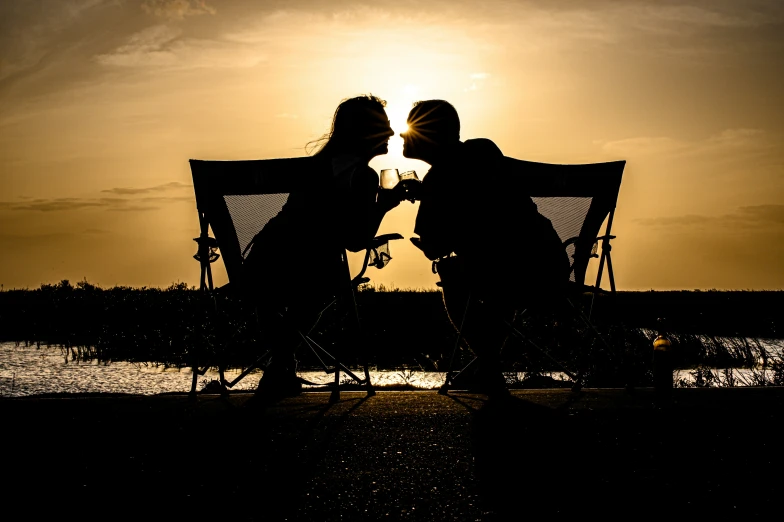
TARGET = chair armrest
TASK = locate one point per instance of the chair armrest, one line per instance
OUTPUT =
(383, 238)
(573, 288)
(576, 239)
(210, 242)
(380, 259)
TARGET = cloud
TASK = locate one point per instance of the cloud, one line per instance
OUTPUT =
(686, 220)
(767, 214)
(104, 203)
(747, 217)
(167, 199)
(134, 208)
(477, 81)
(712, 15)
(644, 145)
(54, 205)
(737, 137)
(162, 46)
(177, 9)
(727, 142)
(34, 239)
(144, 48)
(29, 31)
(146, 190)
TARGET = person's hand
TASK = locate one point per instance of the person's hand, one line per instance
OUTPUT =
(431, 252)
(413, 189)
(388, 199)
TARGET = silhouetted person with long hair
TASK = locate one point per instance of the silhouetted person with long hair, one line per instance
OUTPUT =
(503, 254)
(295, 261)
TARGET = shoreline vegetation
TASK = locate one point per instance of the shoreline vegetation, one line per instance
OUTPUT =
(712, 332)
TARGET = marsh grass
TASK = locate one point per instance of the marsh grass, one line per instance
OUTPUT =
(407, 329)
(753, 364)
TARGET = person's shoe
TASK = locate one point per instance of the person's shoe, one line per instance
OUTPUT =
(492, 391)
(491, 384)
(276, 384)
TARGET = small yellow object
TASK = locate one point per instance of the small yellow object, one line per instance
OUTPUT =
(661, 344)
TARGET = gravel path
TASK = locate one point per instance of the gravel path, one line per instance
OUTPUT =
(397, 456)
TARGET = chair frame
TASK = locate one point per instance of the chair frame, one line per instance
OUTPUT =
(601, 182)
(214, 179)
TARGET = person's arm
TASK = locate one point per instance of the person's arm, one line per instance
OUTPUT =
(367, 207)
(457, 196)
(438, 220)
(434, 241)
(432, 250)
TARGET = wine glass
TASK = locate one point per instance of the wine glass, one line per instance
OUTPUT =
(407, 179)
(409, 174)
(389, 178)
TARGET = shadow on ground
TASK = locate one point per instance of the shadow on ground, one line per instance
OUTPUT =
(397, 455)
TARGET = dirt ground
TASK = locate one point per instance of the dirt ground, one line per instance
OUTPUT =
(396, 456)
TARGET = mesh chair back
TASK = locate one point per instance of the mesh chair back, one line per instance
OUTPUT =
(575, 198)
(238, 198)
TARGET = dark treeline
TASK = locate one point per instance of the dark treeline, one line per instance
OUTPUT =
(711, 312)
(178, 326)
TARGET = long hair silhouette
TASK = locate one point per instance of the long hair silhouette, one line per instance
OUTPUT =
(352, 131)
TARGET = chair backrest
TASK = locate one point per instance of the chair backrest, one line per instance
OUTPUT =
(576, 199)
(237, 198)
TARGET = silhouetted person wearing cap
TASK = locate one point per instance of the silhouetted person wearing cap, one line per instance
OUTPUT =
(491, 243)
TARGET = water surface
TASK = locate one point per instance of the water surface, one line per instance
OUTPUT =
(28, 370)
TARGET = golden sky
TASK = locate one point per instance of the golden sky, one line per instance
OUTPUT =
(102, 103)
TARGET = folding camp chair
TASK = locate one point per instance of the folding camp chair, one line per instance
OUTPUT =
(577, 199)
(236, 199)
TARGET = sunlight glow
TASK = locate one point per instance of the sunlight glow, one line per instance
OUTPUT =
(400, 128)
(398, 114)
(112, 113)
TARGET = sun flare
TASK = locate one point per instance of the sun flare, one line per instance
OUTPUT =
(398, 114)
(400, 128)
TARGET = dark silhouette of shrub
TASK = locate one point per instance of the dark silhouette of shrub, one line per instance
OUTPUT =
(179, 326)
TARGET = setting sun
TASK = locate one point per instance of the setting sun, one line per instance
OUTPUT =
(96, 127)
(400, 128)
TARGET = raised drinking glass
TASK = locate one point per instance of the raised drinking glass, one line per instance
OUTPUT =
(408, 179)
(389, 178)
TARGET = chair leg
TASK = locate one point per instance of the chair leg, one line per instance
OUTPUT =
(368, 385)
(351, 299)
(523, 338)
(246, 371)
(335, 395)
(588, 323)
(196, 372)
(194, 380)
(224, 390)
(578, 382)
(449, 377)
(328, 362)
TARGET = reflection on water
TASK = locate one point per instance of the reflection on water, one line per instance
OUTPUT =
(27, 370)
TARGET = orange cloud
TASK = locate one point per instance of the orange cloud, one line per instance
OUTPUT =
(177, 9)
(146, 190)
(754, 216)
